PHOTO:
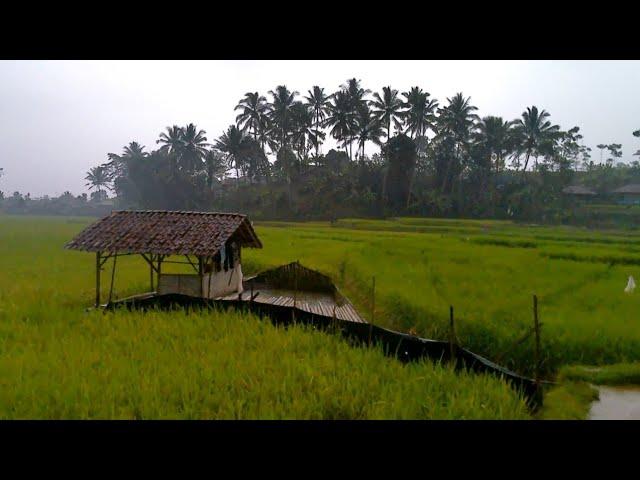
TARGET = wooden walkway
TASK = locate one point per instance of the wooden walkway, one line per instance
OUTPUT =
(313, 302)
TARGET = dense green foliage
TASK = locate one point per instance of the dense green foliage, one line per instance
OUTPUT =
(58, 360)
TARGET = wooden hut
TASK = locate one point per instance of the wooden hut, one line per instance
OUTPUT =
(628, 194)
(210, 242)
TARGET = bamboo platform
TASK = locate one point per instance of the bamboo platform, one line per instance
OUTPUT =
(316, 303)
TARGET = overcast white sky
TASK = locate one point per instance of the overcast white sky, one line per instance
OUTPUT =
(59, 118)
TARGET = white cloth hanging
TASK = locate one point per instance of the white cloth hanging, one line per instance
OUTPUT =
(631, 284)
(239, 278)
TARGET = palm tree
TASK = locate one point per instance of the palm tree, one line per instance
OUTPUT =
(134, 151)
(172, 144)
(493, 135)
(304, 135)
(388, 108)
(536, 133)
(97, 178)
(456, 122)
(118, 165)
(232, 143)
(367, 128)
(280, 114)
(340, 118)
(253, 107)
(194, 148)
(355, 94)
(420, 112)
(216, 167)
(171, 140)
(318, 102)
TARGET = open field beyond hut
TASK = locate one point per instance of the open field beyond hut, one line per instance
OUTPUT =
(59, 361)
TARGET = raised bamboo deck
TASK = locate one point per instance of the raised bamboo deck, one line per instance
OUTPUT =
(313, 302)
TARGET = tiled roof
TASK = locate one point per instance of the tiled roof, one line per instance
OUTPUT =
(631, 188)
(165, 233)
(578, 190)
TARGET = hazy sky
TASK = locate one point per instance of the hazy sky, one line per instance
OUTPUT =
(59, 118)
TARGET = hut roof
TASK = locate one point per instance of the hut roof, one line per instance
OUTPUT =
(578, 190)
(166, 233)
(630, 188)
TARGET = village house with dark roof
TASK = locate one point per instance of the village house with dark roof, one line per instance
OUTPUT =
(628, 194)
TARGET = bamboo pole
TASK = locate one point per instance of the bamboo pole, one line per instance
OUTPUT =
(200, 270)
(452, 334)
(98, 267)
(210, 275)
(373, 307)
(537, 330)
(151, 272)
(113, 274)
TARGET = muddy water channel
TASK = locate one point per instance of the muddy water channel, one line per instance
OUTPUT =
(616, 403)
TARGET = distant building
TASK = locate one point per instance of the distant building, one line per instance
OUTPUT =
(628, 194)
(577, 194)
(579, 191)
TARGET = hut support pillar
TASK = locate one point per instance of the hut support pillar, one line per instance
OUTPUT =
(98, 267)
(201, 275)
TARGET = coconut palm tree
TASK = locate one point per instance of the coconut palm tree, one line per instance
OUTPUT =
(367, 128)
(494, 137)
(305, 136)
(280, 114)
(216, 167)
(233, 143)
(97, 178)
(419, 113)
(388, 108)
(194, 148)
(171, 140)
(356, 95)
(536, 134)
(318, 102)
(252, 108)
(456, 122)
(340, 118)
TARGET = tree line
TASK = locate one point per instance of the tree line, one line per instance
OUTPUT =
(430, 157)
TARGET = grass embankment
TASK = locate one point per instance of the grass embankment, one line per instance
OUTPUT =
(59, 361)
(573, 397)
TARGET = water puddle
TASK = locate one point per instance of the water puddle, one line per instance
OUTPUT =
(616, 403)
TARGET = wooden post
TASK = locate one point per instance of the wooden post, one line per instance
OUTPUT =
(373, 307)
(113, 274)
(151, 271)
(537, 329)
(295, 290)
(210, 275)
(97, 279)
(200, 270)
(160, 258)
(295, 285)
(452, 335)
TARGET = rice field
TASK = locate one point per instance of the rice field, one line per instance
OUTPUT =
(163, 365)
(60, 360)
(488, 270)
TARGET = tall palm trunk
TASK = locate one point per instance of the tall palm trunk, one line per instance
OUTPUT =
(526, 161)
